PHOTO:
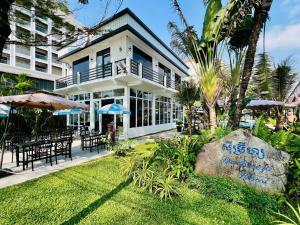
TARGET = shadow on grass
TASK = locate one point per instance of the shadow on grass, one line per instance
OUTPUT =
(96, 204)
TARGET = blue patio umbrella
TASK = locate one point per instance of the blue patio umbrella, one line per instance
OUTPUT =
(4, 111)
(66, 112)
(113, 109)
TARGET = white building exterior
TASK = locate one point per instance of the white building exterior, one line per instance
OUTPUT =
(128, 65)
(40, 63)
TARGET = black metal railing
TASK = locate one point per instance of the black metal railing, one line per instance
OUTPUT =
(134, 67)
(149, 74)
(99, 72)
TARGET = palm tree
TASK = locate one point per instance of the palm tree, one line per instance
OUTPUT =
(262, 76)
(282, 80)
(15, 84)
(260, 16)
(188, 93)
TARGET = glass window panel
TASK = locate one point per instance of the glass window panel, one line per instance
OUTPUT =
(81, 97)
(81, 66)
(146, 114)
(119, 92)
(76, 98)
(141, 57)
(133, 112)
(139, 112)
(132, 92)
(97, 94)
(107, 94)
(150, 113)
(139, 94)
(156, 113)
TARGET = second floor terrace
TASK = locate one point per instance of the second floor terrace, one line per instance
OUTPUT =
(126, 69)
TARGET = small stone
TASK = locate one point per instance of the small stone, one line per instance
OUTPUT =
(245, 158)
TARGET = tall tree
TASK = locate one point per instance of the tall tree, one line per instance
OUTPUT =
(261, 11)
(282, 80)
(188, 93)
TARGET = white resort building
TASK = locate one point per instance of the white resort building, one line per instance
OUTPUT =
(127, 64)
(40, 63)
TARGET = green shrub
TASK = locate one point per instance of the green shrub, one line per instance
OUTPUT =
(226, 189)
(222, 132)
(261, 130)
(122, 148)
(179, 154)
(166, 186)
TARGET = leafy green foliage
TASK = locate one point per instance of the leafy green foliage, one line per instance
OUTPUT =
(166, 186)
(123, 147)
(226, 189)
(222, 132)
(289, 220)
(285, 141)
(262, 75)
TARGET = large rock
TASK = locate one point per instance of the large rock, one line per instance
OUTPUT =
(246, 158)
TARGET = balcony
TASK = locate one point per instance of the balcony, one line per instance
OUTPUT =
(92, 74)
(116, 69)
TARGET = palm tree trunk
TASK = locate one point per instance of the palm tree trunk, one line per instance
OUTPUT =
(232, 101)
(190, 115)
(260, 16)
(279, 118)
(212, 118)
(4, 22)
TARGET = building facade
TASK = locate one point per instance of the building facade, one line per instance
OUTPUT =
(39, 63)
(129, 65)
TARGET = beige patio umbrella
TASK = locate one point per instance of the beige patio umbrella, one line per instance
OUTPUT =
(42, 100)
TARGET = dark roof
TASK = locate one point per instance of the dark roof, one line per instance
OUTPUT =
(128, 27)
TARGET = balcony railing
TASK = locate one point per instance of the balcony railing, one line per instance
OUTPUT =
(119, 67)
(99, 72)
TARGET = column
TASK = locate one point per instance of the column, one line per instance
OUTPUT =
(126, 118)
(92, 112)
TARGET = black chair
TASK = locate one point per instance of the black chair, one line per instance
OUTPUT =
(63, 147)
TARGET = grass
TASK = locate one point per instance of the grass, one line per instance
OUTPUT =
(96, 193)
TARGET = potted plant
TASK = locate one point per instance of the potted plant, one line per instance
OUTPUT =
(179, 125)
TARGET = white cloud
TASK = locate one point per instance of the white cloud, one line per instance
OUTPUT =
(283, 37)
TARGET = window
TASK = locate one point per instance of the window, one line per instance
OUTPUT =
(4, 59)
(41, 54)
(164, 71)
(81, 66)
(41, 67)
(141, 57)
(103, 63)
(177, 111)
(163, 110)
(141, 108)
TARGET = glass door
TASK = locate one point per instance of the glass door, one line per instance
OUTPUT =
(106, 118)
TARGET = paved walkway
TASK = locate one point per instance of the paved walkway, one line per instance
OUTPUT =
(79, 156)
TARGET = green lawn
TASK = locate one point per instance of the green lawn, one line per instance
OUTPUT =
(96, 193)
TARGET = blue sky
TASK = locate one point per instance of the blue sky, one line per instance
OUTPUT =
(282, 31)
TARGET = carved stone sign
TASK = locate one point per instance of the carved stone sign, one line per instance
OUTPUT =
(246, 158)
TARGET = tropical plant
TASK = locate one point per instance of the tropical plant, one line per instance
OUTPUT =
(11, 84)
(122, 148)
(288, 220)
(187, 94)
(262, 76)
(166, 186)
(283, 78)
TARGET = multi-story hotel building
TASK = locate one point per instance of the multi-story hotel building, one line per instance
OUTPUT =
(127, 64)
(39, 63)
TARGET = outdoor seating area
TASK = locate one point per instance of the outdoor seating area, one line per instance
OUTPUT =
(49, 146)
